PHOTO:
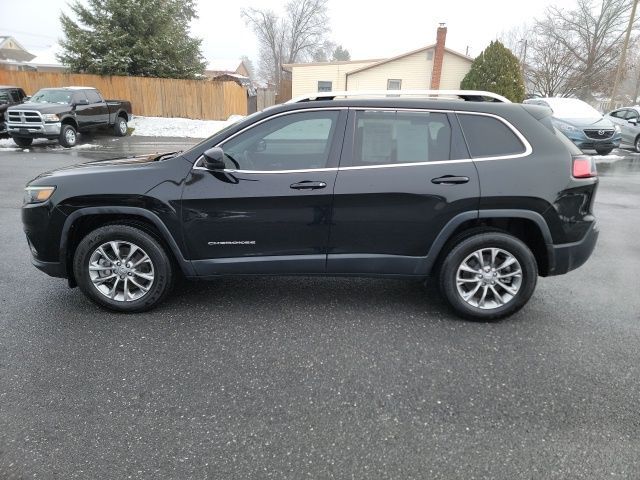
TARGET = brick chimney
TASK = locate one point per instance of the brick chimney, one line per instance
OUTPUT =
(438, 56)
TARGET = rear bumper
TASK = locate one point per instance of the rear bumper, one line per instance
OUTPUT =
(569, 256)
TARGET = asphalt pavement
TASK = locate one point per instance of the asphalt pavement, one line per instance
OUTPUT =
(319, 378)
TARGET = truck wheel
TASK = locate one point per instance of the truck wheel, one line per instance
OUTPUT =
(122, 268)
(488, 276)
(68, 136)
(120, 127)
(23, 141)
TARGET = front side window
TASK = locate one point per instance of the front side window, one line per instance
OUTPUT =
(79, 98)
(489, 137)
(631, 115)
(618, 114)
(93, 96)
(388, 137)
(324, 86)
(295, 141)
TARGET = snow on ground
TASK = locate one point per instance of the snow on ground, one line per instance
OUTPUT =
(176, 127)
(608, 158)
(9, 144)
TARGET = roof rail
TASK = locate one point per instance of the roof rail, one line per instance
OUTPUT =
(468, 95)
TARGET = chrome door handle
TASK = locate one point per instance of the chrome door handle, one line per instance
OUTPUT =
(308, 185)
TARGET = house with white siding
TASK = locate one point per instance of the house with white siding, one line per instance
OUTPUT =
(433, 67)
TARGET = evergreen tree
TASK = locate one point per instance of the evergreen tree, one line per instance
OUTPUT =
(496, 70)
(146, 38)
(340, 54)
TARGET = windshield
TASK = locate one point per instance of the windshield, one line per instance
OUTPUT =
(52, 96)
(571, 108)
(4, 96)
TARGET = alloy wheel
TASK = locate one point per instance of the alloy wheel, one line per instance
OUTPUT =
(489, 278)
(121, 271)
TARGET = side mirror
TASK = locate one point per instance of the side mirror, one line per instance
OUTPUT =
(27, 98)
(82, 102)
(213, 159)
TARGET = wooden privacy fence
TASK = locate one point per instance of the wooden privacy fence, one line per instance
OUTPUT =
(153, 97)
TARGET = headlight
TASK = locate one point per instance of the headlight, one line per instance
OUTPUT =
(50, 117)
(617, 128)
(37, 194)
(565, 127)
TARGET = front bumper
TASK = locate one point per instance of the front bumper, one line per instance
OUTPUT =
(583, 142)
(53, 269)
(36, 130)
(569, 256)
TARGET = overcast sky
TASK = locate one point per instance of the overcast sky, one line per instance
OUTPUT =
(365, 28)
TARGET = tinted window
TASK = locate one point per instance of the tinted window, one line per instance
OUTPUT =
(631, 114)
(5, 96)
(79, 98)
(289, 142)
(618, 113)
(93, 96)
(489, 137)
(401, 137)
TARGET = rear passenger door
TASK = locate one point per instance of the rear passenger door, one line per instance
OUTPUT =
(403, 175)
(98, 109)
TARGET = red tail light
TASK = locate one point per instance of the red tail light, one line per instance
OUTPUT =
(584, 167)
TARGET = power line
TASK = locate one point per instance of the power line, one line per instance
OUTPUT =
(29, 34)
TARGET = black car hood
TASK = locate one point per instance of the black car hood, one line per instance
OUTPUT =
(108, 165)
(43, 107)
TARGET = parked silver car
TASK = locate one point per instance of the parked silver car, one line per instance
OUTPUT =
(628, 119)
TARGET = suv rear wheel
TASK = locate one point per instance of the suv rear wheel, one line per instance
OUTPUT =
(488, 276)
(122, 268)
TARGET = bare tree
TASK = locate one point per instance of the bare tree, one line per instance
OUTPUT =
(549, 70)
(291, 38)
(591, 34)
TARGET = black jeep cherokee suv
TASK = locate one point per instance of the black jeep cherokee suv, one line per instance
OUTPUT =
(485, 195)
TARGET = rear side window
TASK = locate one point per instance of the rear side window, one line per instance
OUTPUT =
(387, 137)
(489, 137)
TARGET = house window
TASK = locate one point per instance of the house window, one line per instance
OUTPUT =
(394, 84)
(324, 86)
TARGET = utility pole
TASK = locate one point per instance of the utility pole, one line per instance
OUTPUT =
(623, 55)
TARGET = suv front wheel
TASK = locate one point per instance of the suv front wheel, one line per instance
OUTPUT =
(488, 276)
(122, 268)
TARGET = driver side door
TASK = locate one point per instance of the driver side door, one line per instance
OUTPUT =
(269, 210)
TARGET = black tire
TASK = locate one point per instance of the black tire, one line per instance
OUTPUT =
(604, 151)
(68, 136)
(120, 127)
(466, 247)
(158, 288)
(23, 141)
(636, 145)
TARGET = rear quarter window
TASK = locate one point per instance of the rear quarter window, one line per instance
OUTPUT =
(489, 137)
